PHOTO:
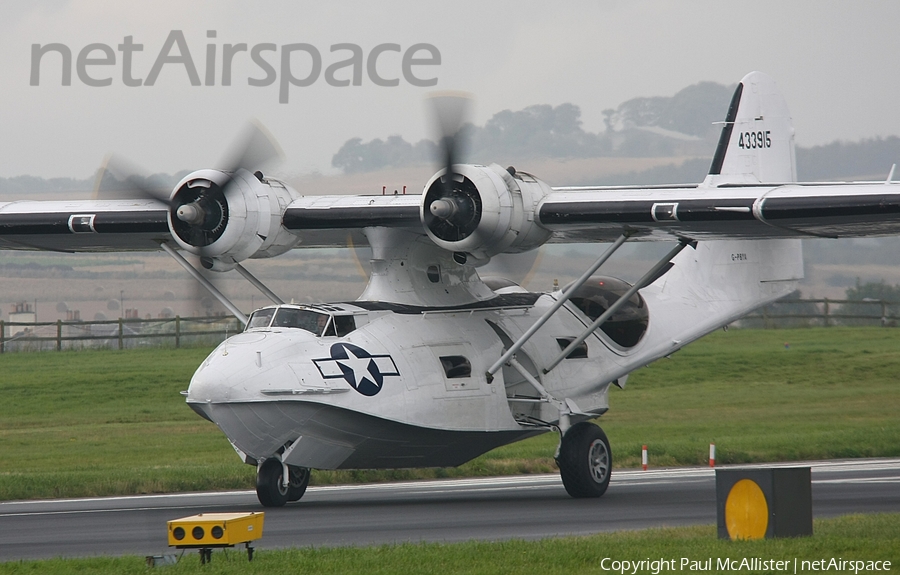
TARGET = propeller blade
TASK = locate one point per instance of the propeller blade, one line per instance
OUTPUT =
(450, 111)
(519, 267)
(199, 212)
(120, 179)
(254, 148)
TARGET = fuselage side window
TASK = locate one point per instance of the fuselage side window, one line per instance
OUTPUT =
(456, 366)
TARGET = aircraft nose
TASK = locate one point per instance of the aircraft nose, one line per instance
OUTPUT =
(202, 387)
(234, 370)
(217, 373)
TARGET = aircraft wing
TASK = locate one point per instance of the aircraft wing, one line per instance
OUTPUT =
(581, 214)
(723, 212)
(83, 226)
(480, 211)
(751, 192)
(336, 221)
(651, 213)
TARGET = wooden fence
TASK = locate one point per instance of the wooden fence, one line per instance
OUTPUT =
(179, 331)
(115, 334)
(823, 313)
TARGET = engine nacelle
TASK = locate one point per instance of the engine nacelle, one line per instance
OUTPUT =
(483, 210)
(226, 218)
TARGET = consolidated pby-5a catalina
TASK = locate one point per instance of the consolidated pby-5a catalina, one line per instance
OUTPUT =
(433, 365)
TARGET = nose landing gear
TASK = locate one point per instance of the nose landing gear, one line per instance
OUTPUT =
(271, 488)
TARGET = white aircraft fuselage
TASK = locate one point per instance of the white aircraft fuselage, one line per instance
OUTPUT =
(385, 385)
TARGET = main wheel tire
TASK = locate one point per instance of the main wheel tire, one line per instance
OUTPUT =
(585, 460)
(299, 481)
(269, 486)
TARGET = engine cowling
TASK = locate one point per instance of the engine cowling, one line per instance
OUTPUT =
(483, 211)
(227, 217)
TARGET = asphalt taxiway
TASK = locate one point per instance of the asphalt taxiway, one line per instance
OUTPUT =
(525, 507)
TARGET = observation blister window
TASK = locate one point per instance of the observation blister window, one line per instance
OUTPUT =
(628, 324)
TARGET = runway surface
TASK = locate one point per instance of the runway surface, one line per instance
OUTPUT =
(525, 507)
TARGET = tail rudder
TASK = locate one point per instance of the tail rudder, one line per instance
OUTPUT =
(757, 140)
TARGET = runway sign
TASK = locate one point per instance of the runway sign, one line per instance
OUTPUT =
(763, 503)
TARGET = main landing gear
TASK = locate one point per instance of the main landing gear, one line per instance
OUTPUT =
(272, 490)
(585, 460)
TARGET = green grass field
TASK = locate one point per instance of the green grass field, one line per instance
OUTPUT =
(853, 538)
(112, 422)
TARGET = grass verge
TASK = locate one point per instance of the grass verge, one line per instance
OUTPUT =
(93, 423)
(867, 538)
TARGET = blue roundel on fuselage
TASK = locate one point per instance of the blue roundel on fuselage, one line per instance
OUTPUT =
(364, 371)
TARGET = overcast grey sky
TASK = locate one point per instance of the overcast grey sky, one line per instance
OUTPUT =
(834, 61)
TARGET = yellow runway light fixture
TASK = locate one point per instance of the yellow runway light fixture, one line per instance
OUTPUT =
(207, 531)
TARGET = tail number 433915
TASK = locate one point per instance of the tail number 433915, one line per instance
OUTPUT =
(753, 140)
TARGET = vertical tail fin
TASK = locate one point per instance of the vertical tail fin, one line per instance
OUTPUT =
(757, 141)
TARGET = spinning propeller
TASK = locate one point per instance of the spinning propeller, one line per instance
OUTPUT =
(199, 209)
(452, 203)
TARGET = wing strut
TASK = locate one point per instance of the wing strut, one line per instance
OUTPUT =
(205, 283)
(567, 406)
(258, 284)
(647, 279)
(559, 303)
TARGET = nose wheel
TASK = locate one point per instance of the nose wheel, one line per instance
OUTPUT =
(585, 460)
(270, 485)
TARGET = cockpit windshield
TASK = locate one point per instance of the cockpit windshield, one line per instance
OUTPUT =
(315, 322)
(261, 318)
(311, 321)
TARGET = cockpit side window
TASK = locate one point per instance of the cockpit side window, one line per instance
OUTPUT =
(327, 329)
(261, 318)
(344, 324)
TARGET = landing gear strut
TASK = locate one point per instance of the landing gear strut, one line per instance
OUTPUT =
(585, 460)
(270, 485)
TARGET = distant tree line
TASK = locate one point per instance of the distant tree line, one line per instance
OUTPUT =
(25, 184)
(692, 111)
(871, 158)
(871, 292)
(641, 127)
(677, 126)
(108, 182)
(681, 125)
